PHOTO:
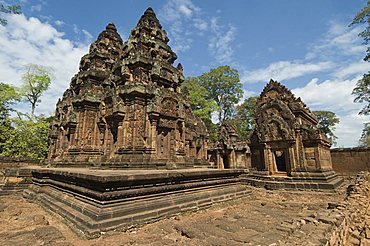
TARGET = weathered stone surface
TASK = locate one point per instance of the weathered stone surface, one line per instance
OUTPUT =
(350, 161)
(238, 222)
(286, 145)
(124, 108)
(95, 201)
(229, 151)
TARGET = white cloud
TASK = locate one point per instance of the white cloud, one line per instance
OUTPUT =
(332, 95)
(284, 70)
(340, 40)
(185, 10)
(59, 22)
(220, 45)
(182, 16)
(200, 24)
(88, 36)
(36, 8)
(28, 40)
(335, 96)
(337, 57)
(352, 69)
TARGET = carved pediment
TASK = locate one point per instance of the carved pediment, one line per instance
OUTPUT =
(169, 107)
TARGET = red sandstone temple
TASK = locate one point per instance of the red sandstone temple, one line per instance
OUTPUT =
(125, 108)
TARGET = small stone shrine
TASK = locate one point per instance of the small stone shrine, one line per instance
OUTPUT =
(125, 105)
(288, 150)
(229, 152)
(125, 147)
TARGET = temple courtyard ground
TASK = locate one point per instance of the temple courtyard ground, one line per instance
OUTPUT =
(265, 217)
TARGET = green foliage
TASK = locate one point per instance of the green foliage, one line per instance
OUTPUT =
(27, 137)
(363, 18)
(365, 137)
(362, 89)
(8, 96)
(36, 80)
(362, 92)
(244, 117)
(326, 123)
(200, 103)
(224, 88)
(9, 9)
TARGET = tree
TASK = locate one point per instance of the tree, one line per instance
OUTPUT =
(28, 138)
(224, 87)
(201, 105)
(326, 123)
(9, 9)
(8, 96)
(365, 137)
(244, 117)
(362, 89)
(36, 80)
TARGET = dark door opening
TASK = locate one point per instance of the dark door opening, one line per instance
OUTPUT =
(280, 161)
(225, 160)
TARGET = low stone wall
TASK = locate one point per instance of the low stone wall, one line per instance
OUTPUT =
(355, 227)
(15, 174)
(350, 161)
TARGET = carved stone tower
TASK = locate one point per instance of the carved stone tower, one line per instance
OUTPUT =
(125, 109)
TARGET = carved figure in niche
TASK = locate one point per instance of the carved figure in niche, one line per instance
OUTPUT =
(89, 137)
(169, 106)
(102, 109)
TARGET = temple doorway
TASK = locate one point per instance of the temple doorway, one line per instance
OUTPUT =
(225, 160)
(280, 161)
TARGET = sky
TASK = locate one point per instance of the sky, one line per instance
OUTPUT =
(306, 45)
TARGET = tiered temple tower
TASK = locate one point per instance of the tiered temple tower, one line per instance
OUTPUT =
(124, 108)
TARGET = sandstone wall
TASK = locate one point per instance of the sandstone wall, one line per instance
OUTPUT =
(349, 161)
(14, 174)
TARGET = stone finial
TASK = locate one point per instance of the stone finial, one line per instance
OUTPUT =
(149, 11)
(112, 27)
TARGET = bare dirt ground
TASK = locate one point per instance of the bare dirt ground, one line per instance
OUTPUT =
(263, 218)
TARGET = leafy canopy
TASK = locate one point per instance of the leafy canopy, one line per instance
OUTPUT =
(244, 117)
(28, 137)
(362, 89)
(36, 80)
(365, 137)
(9, 9)
(8, 96)
(224, 88)
(200, 103)
(326, 123)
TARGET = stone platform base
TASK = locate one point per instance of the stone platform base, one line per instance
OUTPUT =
(93, 201)
(328, 180)
(14, 180)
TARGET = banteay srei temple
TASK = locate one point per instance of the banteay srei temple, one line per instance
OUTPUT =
(126, 148)
(125, 107)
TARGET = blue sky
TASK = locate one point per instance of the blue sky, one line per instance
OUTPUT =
(306, 45)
